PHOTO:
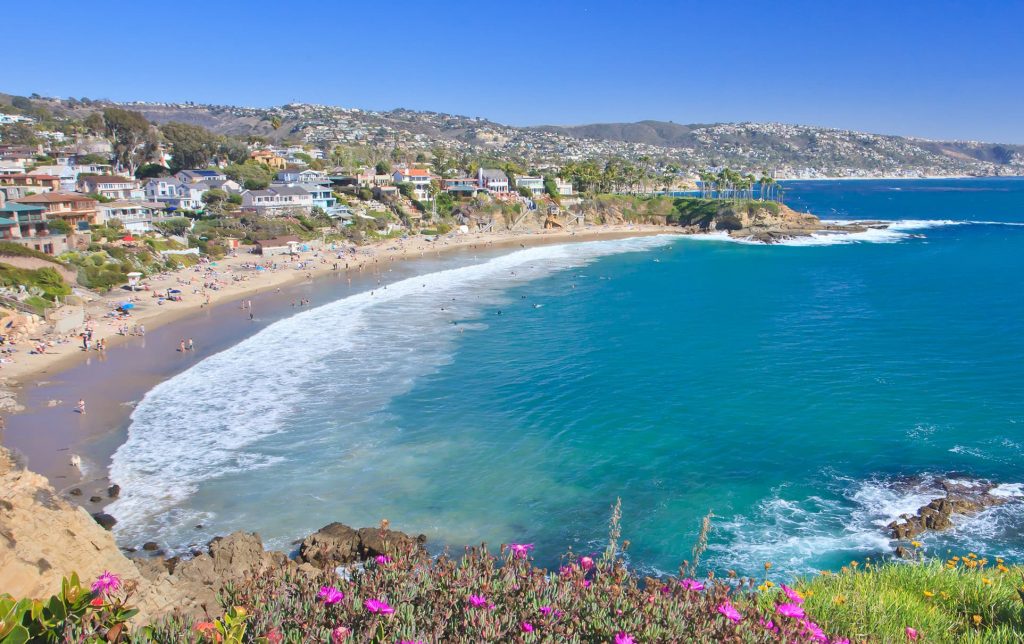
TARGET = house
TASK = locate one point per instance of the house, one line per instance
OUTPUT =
(227, 185)
(341, 211)
(66, 173)
(419, 178)
(323, 196)
(269, 158)
(197, 176)
(31, 182)
(277, 199)
(302, 176)
(461, 186)
(110, 186)
(370, 179)
(71, 207)
(175, 194)
(135, 216)
(12, 167)
(29, 228)
(534, 184)
(278, 245)
(564, 187)
(493, 180)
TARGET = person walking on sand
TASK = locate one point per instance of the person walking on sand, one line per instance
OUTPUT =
(81, 406)
(142, 330)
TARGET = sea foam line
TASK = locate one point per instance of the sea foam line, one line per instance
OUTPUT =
(886, 232)
(204, 423)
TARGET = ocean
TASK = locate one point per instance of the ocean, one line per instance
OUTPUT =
(805, 393)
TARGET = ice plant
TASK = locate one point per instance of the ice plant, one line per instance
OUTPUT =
(793, 596)
(815, 631)
(624, 638)
(339, 634)
(768, 624)
(526, 627)
(546, 610)
(106, 583)
(520, 550)
(378, 606)
(790, 610)
(477, 601)
(729, 611)
(383, 560)
(911, 634)
(691, 584)
(586, 563)
(330, 595)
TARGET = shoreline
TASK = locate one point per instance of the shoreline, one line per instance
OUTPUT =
(48, 385)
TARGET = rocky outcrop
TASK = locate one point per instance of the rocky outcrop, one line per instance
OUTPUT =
(336, 544)
(779, 222)
(938, 514)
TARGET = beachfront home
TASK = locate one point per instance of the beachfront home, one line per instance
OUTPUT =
(564, 187)
(270, 159)
(277, 200)
(460, 186)
(110, 186)
(175, 194)
(419, 178)
(198, 176)
(71, 207)
(278, 245)
(302, 176)
(37, 183)
(534, 184)
(368, 178)
(135, 216)
(493, 180)
(323, 196)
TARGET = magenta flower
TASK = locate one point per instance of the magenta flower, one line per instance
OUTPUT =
(790, 610)
(378, 606)
(546, 610)
(567, 571)
(477, 601)
(106, 583)
(817, 634)
(793, 596)
(911, 634)
(339, 634)
(768, 625)
(624, 638)
(527, 627)
(691, 584)
(586, 563)
(330, 595)
(383, 560)
(520, 550)
(729, 611)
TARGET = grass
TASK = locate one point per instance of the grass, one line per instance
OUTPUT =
(44, 284)
(963, 599)
(17, 250)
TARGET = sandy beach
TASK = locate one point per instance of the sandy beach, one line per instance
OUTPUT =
(215, 314)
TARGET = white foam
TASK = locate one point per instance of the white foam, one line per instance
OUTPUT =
(1008, 490)
(197, 426)
(878, 232)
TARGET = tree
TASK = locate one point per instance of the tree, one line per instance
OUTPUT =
(18, 134)
(94, 122)
(192, 146)
(251, 174)
(21, 102)
(383, 167)
(151, 170)
(132, 137)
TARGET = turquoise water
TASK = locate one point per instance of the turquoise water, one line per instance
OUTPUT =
(806, 394)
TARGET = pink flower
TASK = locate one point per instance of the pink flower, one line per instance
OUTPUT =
(911, 633)
(665, 590)
(624, 638)
(567, 571)
(790, 610)
(586, 563)
(691, 584)
(792, 594)
(106, 583)
(520, 550)
(378, 606)
(546, 610)
(841, 641)
(817, 634)
(330, 595)
(729, 611)
(339, 634)
(383, 560)
(586, 583)
(768, 624)
(274, 636)
(477, 601)
(527, 627)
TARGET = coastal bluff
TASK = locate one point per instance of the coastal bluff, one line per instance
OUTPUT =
(44, 538)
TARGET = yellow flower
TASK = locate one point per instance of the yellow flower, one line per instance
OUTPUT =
(944, 595)
(972, 555)
(762, 588)
(999, 560)
(807, 593)
(826, 573)
(977, 619)
(840, 599)
(240, 611)
(929, 593)
(854, 564)
(986, 580)
(916, 544)
(768, 583)
(1002, 568)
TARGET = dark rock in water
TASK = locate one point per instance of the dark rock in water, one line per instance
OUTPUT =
(337, 543)
(114, 491)
(937, 515)
(104, 520)
(95, 499)
(128, 549)
(150, 546)
(75, 491)
(199, 526)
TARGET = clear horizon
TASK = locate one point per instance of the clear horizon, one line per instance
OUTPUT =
(884, 69)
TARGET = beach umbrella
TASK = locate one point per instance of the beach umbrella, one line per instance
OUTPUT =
(173, 290)
(127, 238)
(127, 305)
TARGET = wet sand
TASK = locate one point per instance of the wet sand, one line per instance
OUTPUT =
(50, 431)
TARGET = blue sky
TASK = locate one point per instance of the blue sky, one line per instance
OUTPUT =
(937, 69)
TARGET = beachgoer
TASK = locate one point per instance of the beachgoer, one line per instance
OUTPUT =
(81, 405)
(181, 345)
(191, 346)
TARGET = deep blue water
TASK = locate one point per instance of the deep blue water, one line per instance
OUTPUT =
(806, 394)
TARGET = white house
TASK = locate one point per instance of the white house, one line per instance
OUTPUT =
(198, 176)
(174, 193)
(493, 180)
(302, 176)
(534, 184)
(420, 180)
(564, 187)
(135, 216)
(111, 186)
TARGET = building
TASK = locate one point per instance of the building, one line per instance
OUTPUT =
(461, 186)
(420, 180)
(534, 184)
(269, 158)
(493, 180)
(564, 187)
(323, 196)
(277, 200)
(175, 194)
(197, 176)
(37, 183)
(78, 211)
(135, 216)
(302, 176)
(370, 179)
(110, 186)
(278, 245)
